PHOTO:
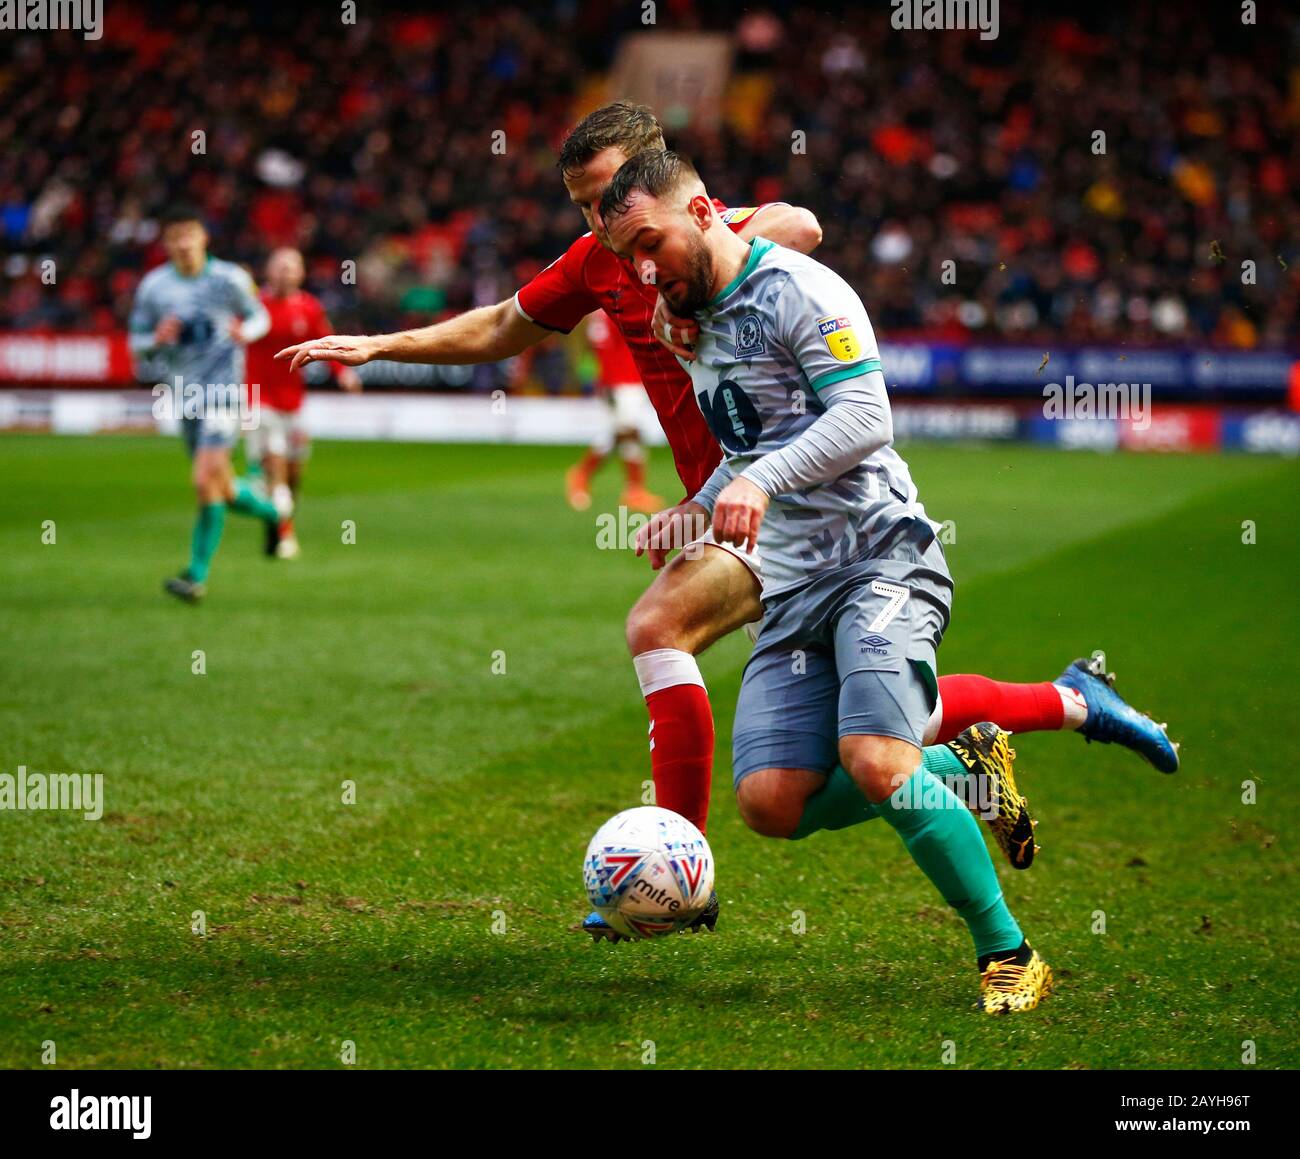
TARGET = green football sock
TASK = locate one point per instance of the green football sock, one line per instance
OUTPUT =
(944, 840)
(839, 803)
(203, 543)
(940, 760)
(249, 502)
(945, 764)
(836, 805)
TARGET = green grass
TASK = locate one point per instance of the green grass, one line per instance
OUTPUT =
(476, 792)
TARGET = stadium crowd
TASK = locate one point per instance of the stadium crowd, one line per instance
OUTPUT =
(420, 145)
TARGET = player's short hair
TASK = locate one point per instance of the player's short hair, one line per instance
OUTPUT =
(656, 173)
(180, 215)
(625, 124)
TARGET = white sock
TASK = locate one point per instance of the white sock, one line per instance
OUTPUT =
(282, 498)
(1074, 706)
(662, 668)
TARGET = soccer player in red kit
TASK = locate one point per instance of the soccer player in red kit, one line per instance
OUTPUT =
(702, 595)
(629, 419)
(279, 441)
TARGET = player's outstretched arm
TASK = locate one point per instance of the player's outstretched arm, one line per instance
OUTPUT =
(488, 334)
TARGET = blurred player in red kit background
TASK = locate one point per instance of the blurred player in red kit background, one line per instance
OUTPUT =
(631, 419)
(280, 442)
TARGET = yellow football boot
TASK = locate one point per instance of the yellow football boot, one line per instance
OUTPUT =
(1007, 988)
(991, 793)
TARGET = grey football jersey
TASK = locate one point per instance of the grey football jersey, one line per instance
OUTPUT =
(205, 304)
(785, 328)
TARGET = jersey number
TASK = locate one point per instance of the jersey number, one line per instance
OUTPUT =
(897, 598)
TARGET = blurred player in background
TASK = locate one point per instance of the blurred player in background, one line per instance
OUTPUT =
(193, 316)
(631, 419)
(279, 441)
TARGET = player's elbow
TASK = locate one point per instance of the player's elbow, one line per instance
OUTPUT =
(806, 231)
(883, 433)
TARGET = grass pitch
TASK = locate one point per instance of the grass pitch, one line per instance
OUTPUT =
(433, 922)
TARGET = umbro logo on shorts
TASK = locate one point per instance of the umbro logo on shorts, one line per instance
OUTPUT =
(875, 644)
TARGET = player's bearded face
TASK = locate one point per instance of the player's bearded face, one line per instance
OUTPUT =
(690, 291)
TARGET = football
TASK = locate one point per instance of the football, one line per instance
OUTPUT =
(648, 872)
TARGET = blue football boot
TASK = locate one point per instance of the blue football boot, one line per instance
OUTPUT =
(601, 930)
(1112, 720)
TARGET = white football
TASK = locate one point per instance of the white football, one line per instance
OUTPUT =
(648, 871)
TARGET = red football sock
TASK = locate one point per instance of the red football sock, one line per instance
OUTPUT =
(589, 464)
(681, 750)
(969, 699)
(681, 732)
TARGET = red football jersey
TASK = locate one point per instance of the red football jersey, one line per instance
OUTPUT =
(293, 319)
(617, 366)
(589, 277)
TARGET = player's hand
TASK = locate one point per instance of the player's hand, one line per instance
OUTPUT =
(236, 329)
(350, 380)
(673, 528)
(738, 514)
(168, 331)
(349, 349)
(678, 334)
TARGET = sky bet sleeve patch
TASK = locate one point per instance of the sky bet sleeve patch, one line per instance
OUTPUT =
(736, 216)
(841, 340)
(819, 318)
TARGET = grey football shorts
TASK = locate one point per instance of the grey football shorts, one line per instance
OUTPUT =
(217, 425)
(850, 654)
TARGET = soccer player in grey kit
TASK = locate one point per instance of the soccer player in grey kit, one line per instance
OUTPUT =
(194, 315)
(856, 592)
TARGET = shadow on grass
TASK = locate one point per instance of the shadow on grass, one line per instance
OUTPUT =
(573, 982)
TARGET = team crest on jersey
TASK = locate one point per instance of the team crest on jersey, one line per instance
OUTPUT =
(736, 216)
(749, 337)
(841, 341)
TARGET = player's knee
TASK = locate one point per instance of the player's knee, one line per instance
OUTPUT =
(651, 624)
(879, 765)
(207, 482)
(767, 806)
(768, 818)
